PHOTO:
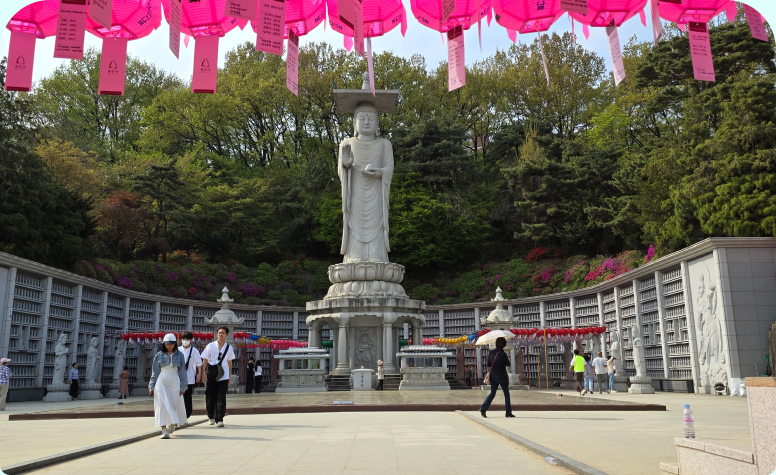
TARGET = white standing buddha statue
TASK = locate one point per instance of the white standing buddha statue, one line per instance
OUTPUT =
(365, 168)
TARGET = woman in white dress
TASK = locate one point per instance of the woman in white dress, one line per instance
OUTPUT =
(167, 385)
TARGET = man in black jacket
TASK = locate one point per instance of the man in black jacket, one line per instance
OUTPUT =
(249, 375)
(498, 362)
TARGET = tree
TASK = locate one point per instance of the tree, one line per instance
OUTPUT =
(72, 168)
(69, 108)
(120, 223)
(39, 220)
(162, 193)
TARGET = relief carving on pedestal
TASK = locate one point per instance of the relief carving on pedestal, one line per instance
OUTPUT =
(366, 348)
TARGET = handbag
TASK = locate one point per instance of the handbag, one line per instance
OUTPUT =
(486, 379)
(219, 369)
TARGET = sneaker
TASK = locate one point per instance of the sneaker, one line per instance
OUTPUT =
(608, 391)
(212, 422)
(171, 428)
(165, 434)
(220, 424)
(584, 392)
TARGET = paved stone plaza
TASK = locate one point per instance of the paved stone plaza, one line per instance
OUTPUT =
(614, 442)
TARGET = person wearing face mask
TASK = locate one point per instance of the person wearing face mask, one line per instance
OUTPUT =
(193, 370)
(167, 385)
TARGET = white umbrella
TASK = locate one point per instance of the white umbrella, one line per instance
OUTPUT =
(491, 337)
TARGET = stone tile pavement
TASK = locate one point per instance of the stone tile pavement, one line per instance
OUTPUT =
(372, 443)
(633, 443)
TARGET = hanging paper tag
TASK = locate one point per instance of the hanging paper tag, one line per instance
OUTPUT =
(755, 21)
(448, 7)
(370, 66)
(456, 59)
(643, 16)
(512, 34)
(271, 27)
(616, 51)
(240, 9)
(586, 31)
(21, 58)
(101, 11)
(573, 34)
(346, 11)
(347, 42)
(71, 28)
(732, 12)
(174, 21)
(479, 25)
(113, 66)
(574, 6)
(657, 26)
(358, 27)
(205, 65)
(292, 63)
(700, 49)
(186, 39)
(403, 23)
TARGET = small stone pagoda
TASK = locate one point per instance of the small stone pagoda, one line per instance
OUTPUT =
(227, 318)
(500, 319)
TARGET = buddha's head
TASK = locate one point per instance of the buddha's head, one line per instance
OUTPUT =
(365, 121)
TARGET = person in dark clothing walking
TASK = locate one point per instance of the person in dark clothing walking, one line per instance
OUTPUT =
(250, 369)
(498, 362)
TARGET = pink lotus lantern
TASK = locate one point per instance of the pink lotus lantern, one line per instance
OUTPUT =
(611, 14)
(205, 21)
(452, 17)
(38, 20)
(278, 20)
(380, 17)
(527, 16)
(685, 11)
(131, 20)
(601, 13)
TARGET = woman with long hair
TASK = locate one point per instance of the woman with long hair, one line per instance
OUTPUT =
(167, 385)
(498, 362)
(124, 383)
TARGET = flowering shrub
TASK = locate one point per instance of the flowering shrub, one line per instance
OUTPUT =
(650, 253)
(251, 290)
(537, 254)
(125, 282)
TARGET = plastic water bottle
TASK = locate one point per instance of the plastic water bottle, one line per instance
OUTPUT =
(689, 423)
(551, 460)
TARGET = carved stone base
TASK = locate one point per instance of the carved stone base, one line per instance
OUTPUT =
(640, 385)
(366, 289)
(366, 271)
(113, 390)
(139, 389)
(57, 393)
(620, 385)
(90, 391)
(424, 379)
(301, 381)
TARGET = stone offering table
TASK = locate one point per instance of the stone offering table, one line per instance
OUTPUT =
(302, 370)
(423, 368)
(362, 379)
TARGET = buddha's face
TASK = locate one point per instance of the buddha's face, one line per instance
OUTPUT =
(366, 123)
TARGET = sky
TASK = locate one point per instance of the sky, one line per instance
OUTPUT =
(418, 39)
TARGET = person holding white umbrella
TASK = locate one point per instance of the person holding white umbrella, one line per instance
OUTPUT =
(167, 385)
(498, 361)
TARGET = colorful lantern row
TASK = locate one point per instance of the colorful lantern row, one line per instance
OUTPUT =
(206, 21)
(556, 334)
